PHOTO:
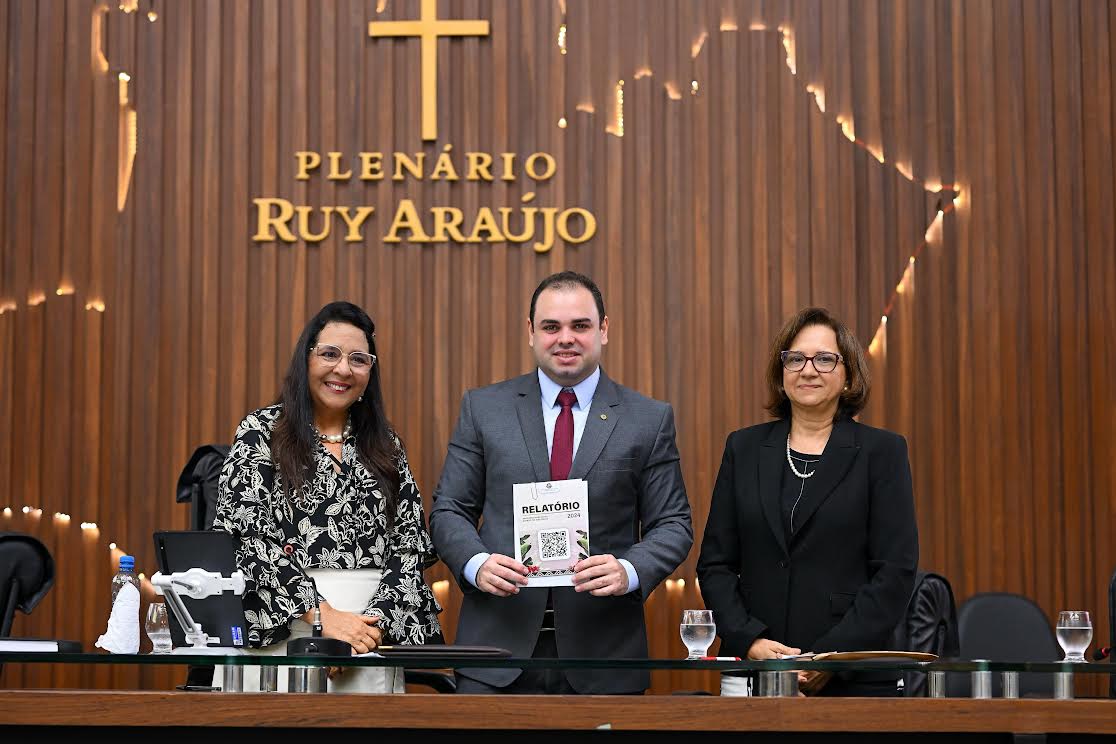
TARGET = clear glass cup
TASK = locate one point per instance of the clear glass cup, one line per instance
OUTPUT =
(698, 631)
(1075, 633)
(158, 628)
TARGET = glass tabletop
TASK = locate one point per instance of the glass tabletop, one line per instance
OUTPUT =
(450, 660)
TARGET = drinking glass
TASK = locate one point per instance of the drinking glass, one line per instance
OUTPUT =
(158, 628)
(1075, 632)
(698, 632)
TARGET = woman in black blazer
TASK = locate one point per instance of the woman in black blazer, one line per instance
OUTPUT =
(811, 543)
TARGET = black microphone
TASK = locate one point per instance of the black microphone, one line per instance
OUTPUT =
(1102, 653)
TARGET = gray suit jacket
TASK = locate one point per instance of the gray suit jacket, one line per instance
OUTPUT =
(638, 511)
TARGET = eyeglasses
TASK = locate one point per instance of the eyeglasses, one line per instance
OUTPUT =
(330, 356)
(795, 361)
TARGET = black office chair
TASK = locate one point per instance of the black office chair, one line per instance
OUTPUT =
(929, 626)
(999, 626)
(198, 484)
(1112, 632)
(26, 575)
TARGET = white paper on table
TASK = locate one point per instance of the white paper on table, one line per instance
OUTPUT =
(551, 524)
(122, 634)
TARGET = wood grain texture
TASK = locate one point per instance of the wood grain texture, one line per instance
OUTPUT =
(582, 713)
(723, 208)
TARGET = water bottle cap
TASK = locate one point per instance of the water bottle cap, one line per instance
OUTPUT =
(127, 563)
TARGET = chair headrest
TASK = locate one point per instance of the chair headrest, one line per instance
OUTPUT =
(206, 460)
(1002, 626)
(25, 558)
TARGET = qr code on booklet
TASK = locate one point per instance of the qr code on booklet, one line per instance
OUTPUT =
(554, 545)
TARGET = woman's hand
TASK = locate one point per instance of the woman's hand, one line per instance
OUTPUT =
(359, 631)
(764, 649)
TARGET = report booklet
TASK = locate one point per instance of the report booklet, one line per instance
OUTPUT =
(551, 529)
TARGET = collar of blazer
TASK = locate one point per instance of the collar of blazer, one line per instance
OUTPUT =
(840, 451)
(603, 415)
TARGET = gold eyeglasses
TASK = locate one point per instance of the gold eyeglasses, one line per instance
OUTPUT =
(330, 356)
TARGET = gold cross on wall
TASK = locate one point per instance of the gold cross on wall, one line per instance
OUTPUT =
(428, 28)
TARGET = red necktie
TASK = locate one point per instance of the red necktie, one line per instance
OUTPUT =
(561, 449)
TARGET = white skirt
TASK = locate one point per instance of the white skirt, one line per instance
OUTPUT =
(349, 590)
(732, 686)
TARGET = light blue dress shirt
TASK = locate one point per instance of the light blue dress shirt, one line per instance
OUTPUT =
(584, 390)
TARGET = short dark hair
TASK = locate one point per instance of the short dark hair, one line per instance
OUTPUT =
(568, 280)
(854, 399)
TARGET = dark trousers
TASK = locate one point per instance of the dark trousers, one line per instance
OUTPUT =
(532, 681)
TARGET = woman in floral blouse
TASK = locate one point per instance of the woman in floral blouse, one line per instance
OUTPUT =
(318, 490)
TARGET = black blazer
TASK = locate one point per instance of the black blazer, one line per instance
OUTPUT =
(843, 581)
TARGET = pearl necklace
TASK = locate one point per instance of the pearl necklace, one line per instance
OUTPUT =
(335, 438)
(790, 461)
(802, 487)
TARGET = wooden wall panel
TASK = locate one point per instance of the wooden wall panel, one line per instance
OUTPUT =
(774, 154)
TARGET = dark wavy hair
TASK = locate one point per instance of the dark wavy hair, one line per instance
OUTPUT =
(293, 440)
(853, 400)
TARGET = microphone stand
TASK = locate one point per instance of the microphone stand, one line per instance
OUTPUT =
(197, 583)
(314, 678)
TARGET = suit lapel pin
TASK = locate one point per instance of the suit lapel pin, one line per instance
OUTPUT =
(604, 417)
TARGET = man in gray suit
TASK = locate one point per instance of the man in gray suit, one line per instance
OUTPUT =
(564, 420)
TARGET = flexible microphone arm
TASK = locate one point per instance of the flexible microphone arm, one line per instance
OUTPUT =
(197, 583)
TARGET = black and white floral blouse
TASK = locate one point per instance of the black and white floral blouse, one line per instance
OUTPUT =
(337, 520)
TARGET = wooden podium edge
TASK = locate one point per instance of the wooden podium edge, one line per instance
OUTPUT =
(567, 713)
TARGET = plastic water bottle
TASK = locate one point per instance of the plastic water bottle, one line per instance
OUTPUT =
(125, 575)
(122, 634)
